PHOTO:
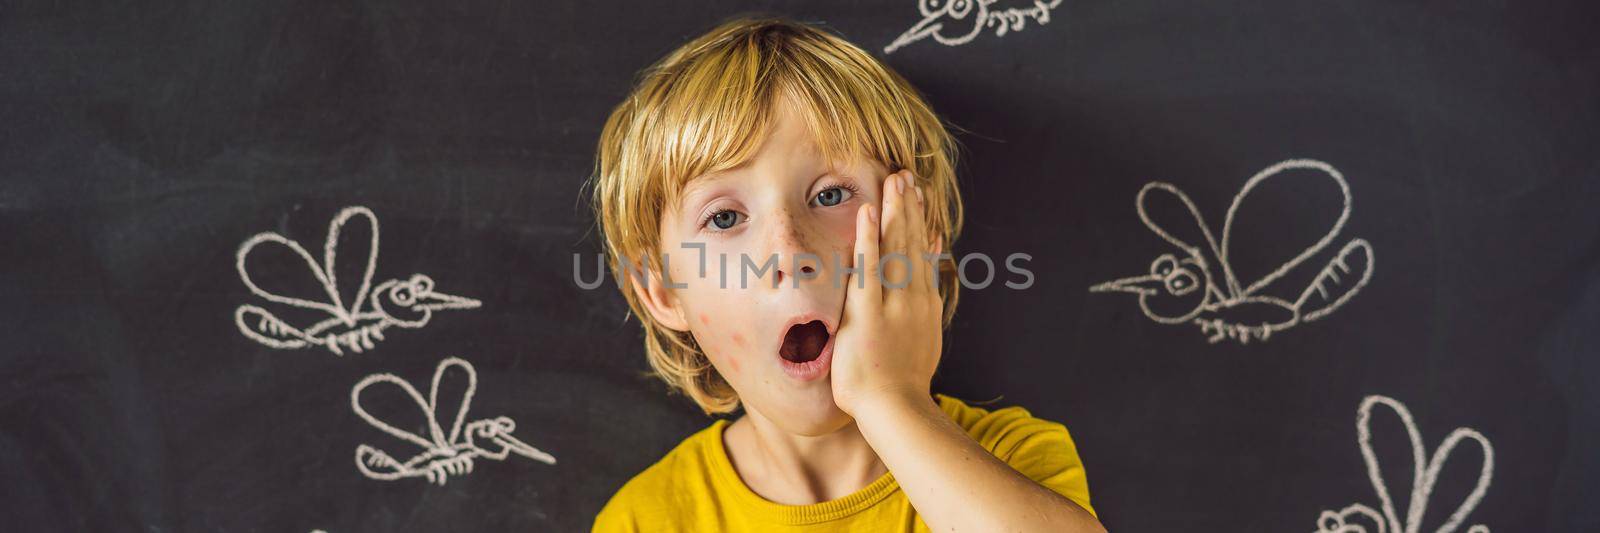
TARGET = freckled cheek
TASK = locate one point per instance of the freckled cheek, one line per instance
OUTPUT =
(740, 344)
(840, 226)
(842, 232)
(680, 267)
(722, 265)
(730, 357)
(733, 360)
(846, 233)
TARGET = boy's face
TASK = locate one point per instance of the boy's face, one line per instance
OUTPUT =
(783, 208)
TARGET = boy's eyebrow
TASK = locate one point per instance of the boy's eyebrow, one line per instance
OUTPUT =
(697, 185)
(690, 197)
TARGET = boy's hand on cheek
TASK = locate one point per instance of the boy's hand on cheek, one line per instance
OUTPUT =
(889, 339)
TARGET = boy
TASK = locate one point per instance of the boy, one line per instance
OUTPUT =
(793, 188)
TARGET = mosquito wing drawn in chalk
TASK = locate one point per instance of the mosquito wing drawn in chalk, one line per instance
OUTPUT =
(354, 325)
(1198, 285)
(1425, 471)
(956, 22)
(443, 453)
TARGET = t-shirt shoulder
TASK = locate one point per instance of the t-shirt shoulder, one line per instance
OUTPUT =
(1041, 449)
(656, 498)
(649, 500)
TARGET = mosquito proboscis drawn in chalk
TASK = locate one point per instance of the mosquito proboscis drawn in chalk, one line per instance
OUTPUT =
(1198, 284)
(1425, 471)
(443, 453)
(354, 325)
(956, 22)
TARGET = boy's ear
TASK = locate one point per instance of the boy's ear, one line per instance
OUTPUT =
(659, 300)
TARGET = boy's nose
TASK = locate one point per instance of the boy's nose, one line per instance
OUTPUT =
(791, 246)
(805, 272)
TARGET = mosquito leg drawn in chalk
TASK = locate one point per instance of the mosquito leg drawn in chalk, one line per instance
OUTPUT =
(355, 325)
(444, 454)
(937, 15)
(1198, 284)
(1425, 471)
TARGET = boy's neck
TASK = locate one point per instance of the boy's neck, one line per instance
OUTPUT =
(800, 470)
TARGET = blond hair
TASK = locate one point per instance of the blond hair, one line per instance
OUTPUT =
(690, 114)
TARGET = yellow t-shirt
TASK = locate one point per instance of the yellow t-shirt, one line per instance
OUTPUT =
(695, 487)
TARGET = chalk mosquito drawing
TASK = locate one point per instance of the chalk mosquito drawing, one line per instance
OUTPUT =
(407, 303)
(1198, 284)
(983, 13)
(443, 454)
(1425, 471)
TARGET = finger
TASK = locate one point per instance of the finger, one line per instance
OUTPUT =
(863, 293)
(937, 261)
(917, 237)
(894, 235)
(907, 243)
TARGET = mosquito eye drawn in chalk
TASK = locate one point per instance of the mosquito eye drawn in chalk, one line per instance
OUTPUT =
(443, 453)
(956, 22)
(1425, 471)
(1198, 285)
(354, 325)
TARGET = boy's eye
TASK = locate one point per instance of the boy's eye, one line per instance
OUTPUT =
(724, 219)
(832, 196)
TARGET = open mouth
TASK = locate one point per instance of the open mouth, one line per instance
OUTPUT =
(804, 342)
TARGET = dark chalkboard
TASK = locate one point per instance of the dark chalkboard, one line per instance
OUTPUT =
(148, 147)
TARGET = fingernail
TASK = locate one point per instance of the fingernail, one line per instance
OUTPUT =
(900, 183)
(918, 188)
